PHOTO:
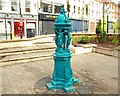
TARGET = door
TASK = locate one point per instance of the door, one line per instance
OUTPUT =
(17, 29)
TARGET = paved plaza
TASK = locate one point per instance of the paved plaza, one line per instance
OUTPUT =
(99, 71)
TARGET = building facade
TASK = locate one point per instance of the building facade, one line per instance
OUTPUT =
(12, 11)
(48, 11)
(111, 14)
(38, 16)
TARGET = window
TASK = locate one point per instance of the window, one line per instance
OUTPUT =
(27, 6)
(97, 14)
(57, 8)
(78, 10)
(89, 12)
(68, 7)
(83, 11)
(74, 9)
(0, 4)
(92, 12)
(50, 8)
(47, 7)
(92, 3)
(86, 9)
(14, 5)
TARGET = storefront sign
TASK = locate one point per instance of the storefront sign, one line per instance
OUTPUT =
(30, 25)
(47, 16)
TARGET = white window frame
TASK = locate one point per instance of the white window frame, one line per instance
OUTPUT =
(15, 5)
(28, 6)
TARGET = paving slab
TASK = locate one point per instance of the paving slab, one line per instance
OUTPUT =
(98, 74)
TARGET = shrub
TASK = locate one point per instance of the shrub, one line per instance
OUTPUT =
(102, 36)
(75, 39)
(115, 41)
(93, 39)
(84, 39)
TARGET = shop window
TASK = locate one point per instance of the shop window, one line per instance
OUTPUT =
(27, 6)
(1, 27)
(14, 5)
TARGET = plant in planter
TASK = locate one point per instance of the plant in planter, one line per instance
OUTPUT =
(93, 39)
(84, 40)
(115, 40)
(75, 40)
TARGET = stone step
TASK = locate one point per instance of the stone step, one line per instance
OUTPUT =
(25, 52)
(24, 61)
(26, 56)
(28, 48)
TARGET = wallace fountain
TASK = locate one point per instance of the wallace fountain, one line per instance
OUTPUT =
(62, 77)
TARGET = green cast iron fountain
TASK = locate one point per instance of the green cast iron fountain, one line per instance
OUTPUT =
(62, 77)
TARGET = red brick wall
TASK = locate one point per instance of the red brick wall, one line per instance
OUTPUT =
(92, 26)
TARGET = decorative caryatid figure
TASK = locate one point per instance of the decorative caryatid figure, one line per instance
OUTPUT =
(62, 31)
(62, 77)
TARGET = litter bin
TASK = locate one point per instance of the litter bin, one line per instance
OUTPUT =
(30, 33)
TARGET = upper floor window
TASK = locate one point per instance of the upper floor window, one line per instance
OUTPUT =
(92, 3)
(46, 8)
(86, 9)
(78, 10)
(57, 8)
(83, 11)
(0, 4)
(74, 9)
(14, 5)
(92, 12)
(27, 6)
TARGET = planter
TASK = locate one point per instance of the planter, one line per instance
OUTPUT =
(107, 51)
(84, 48)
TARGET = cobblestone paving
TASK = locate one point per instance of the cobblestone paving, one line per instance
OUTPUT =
(98, 74)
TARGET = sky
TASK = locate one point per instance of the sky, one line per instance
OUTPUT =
(116, 1)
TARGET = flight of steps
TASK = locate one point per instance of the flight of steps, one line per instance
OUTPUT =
(38, 49)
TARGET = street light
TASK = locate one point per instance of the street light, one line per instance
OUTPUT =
(5, 26)
(20, 20)
(82, 21)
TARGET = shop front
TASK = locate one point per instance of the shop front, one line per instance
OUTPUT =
(46, 23)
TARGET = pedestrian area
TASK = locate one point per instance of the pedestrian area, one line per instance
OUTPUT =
(96, 71)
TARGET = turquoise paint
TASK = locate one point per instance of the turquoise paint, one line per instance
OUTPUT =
(62, 77)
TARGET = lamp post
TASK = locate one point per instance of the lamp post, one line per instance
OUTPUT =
(108, 17)
(107, 24)
(82, 21)
(103, 21)
(20, 20)
(5, 26)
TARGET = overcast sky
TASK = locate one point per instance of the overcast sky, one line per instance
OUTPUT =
(116, 1)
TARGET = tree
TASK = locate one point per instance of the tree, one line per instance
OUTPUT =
(100, 34)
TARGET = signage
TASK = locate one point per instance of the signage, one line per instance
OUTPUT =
(47, 16)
